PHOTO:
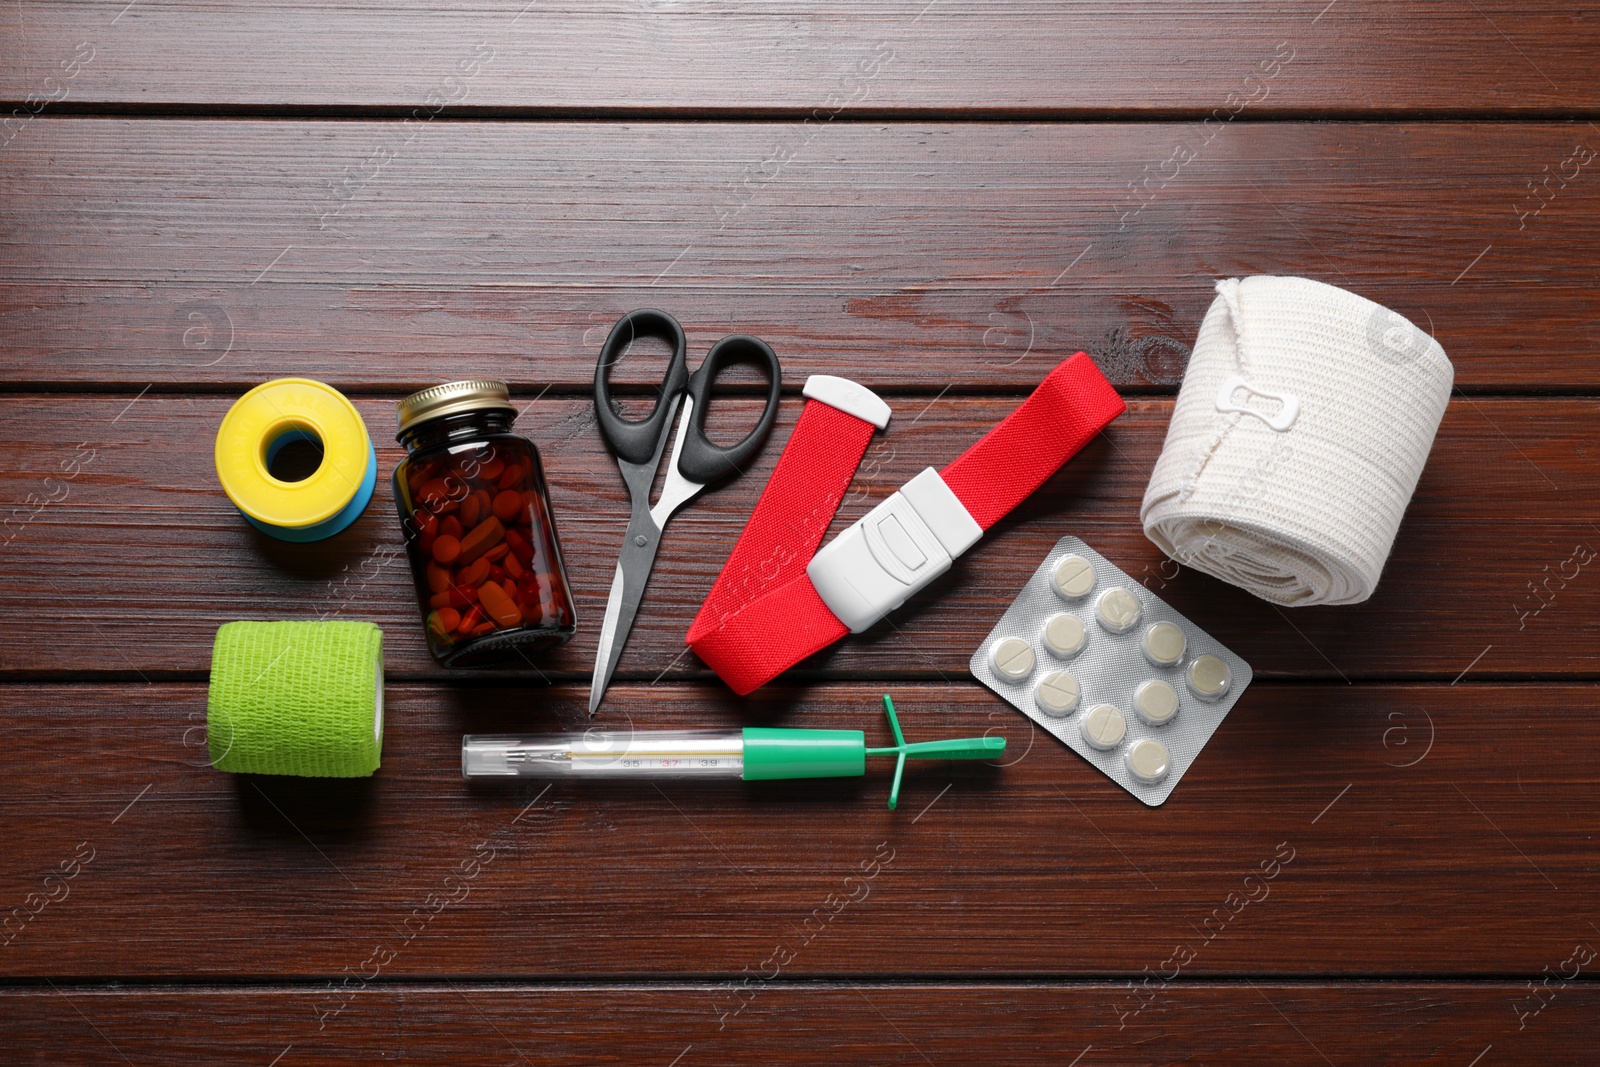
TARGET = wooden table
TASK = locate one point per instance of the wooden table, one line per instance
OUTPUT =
(942, 201)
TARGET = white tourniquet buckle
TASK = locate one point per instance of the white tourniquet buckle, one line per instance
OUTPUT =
(893, 551)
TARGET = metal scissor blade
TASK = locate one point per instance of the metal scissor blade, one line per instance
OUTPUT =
(604, 662)
(627, 590)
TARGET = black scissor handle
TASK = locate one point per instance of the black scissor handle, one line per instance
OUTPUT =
(635, 440)
(704, 462)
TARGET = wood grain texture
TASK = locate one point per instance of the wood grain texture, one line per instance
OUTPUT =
(217, 254)
(1401, 828)
(1081, 57)
(1385, 855)
(1433, 1024)
(143, 556)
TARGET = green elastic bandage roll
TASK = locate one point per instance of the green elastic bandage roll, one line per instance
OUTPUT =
(303, 698)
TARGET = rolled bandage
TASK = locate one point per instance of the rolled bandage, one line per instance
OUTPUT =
(1304, 420)
(301, 698)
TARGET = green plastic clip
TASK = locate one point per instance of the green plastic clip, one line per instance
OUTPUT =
(950, 748)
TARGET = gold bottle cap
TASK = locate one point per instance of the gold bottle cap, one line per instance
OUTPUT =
(452, 398)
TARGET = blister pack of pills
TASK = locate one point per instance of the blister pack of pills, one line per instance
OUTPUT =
(1111, 669)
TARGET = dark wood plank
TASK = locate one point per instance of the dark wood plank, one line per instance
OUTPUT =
(1268, 1023)
(143, 557)
(1404, 830)
(206, 254)
(690, 57)
(1423, 852)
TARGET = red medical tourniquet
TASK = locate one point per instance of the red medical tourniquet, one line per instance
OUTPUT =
(763, 615)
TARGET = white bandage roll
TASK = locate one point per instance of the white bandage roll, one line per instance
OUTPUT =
(1304, 420)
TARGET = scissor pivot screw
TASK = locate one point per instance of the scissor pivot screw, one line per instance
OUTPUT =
(641, 540)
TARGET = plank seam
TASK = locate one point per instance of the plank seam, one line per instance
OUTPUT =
(750, 115)
(823, 983)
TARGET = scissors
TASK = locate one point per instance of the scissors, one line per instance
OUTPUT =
(638, 444)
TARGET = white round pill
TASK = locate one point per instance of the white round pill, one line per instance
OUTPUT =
(1117, 610)
(1156, 702)
(1064, 635)
(1057, 694)
(1104, 727)
(1164, 644)
(1208, 678)
(1012, 658)
(1148, 761)
(1072, 577)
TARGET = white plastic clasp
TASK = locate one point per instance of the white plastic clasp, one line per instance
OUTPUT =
(893, 551)
(1281, 420)
(850, 397)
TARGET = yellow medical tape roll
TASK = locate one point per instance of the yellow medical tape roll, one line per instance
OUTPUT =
(270, 416)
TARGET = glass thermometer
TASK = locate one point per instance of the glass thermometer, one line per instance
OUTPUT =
(753, 754)
(606, 754)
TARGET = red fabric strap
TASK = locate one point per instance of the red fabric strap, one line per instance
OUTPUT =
(763, 615)
(1066, 411)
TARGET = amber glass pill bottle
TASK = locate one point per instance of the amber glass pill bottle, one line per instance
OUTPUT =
(479, 531)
